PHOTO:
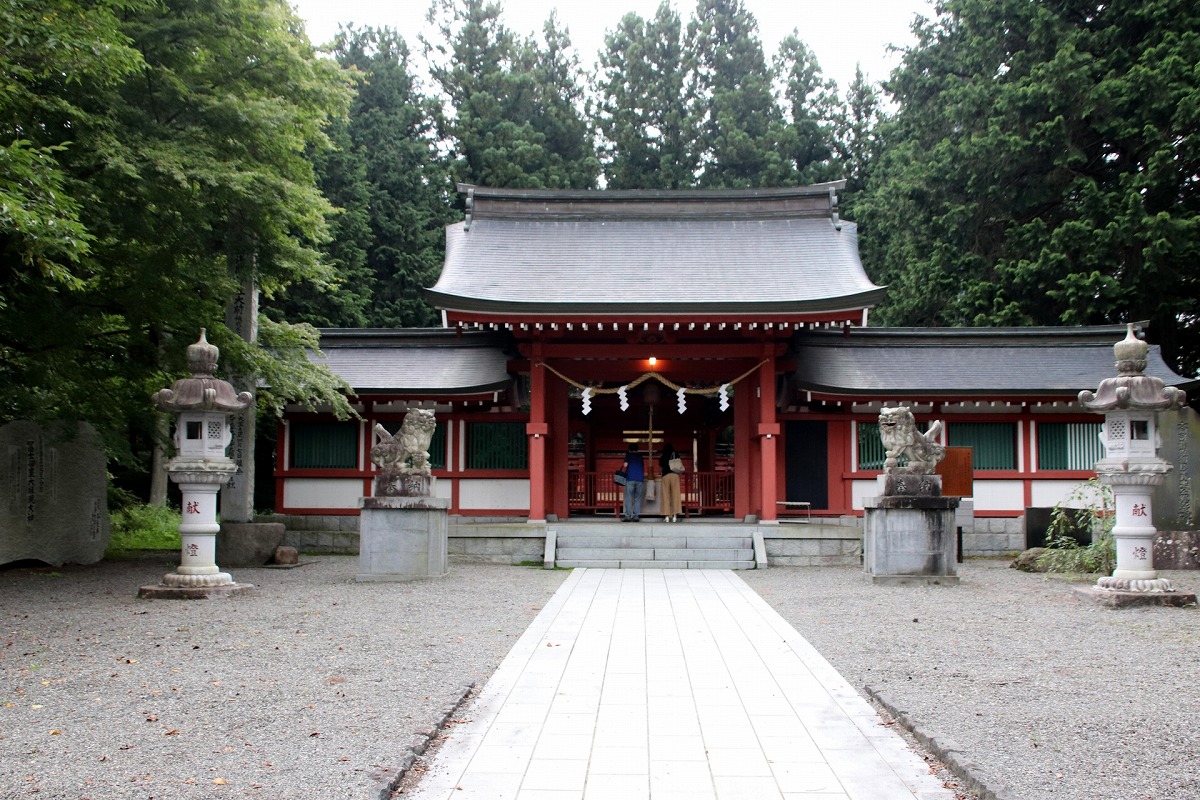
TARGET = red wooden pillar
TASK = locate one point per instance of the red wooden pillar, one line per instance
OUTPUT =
(536, 430)
(557, 413)
(744, 461)
(768, 437)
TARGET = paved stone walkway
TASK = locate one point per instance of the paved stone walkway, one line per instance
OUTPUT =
(670, 684)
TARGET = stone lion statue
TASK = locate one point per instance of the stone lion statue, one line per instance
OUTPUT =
(900, 436)
(407, 452)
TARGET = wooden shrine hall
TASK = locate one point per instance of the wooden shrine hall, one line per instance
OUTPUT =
(731, 324)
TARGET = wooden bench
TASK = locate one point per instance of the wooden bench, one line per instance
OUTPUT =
(804, 504)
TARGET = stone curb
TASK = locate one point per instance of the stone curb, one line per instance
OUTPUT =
(420, 743)
(946, 750)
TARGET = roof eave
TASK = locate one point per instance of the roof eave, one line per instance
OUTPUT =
(841, 304)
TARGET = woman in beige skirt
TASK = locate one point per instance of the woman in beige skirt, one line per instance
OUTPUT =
(672, 502)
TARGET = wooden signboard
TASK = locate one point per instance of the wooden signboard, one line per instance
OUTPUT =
(957, 470)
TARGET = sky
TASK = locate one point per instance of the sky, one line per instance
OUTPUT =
(842, 33)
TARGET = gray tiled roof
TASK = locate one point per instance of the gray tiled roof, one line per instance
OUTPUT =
(661, 252)
(963, 361)
(416, 361)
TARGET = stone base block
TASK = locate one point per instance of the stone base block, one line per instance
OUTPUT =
(1115, 599)
(164, 592)
(248, 544)
(910, 539)
(915, 580)
(403, 538)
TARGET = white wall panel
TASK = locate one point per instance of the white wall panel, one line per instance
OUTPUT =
(999, 495)
(322, 492)
(1050, 493)
(490, 493)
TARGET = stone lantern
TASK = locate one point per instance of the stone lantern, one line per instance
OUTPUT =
(1131, 466)
(203, 404)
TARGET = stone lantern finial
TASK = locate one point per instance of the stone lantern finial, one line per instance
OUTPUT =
(202, 357)
(1131, 389)
(201, 391)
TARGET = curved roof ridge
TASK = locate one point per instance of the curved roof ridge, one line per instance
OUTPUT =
(816, 200)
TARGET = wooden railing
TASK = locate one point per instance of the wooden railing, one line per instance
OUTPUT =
(702, 492)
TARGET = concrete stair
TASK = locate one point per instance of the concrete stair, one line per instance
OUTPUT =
(654, 545)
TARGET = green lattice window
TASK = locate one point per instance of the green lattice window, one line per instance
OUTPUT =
(871, 452)
(496, 445)
(324, 445)
(437, 445)
(993, 444)
(1069, 445)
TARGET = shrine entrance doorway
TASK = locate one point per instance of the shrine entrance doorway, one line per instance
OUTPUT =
(702, 435)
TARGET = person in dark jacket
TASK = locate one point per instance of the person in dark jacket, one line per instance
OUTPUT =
(635, 483)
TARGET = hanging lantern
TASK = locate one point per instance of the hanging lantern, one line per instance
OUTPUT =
(650, 393)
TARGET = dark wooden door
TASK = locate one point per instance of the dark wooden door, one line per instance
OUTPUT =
(807, 462)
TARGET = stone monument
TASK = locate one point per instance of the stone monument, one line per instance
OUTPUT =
(908, 530)
(203, 404)
(403, 528)
(1130, 403)
(54, 505)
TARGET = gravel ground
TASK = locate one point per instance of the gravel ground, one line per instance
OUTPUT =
(310, 688)
(314, 686)
(1048, 694)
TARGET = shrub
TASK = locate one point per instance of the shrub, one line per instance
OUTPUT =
(144, 527)
(1063, 552)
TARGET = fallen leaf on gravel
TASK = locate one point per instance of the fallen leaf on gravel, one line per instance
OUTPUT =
(220, 781)
(344, 758)
(55, 732)
(171, 732)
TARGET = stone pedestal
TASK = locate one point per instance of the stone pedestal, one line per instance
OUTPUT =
(910, 538)
(248, 544)
(197, 577)
(403, 538)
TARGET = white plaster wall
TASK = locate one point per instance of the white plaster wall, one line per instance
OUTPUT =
(322, 492)
(999, 495)
(989, 495)
(861, 489)
(497, 494)
(1046, 494)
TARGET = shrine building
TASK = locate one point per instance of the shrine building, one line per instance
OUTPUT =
(731, 324)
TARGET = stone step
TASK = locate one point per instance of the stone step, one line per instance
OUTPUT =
(564, 554)
(678, 542)
(639, 564)
(652, 529)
